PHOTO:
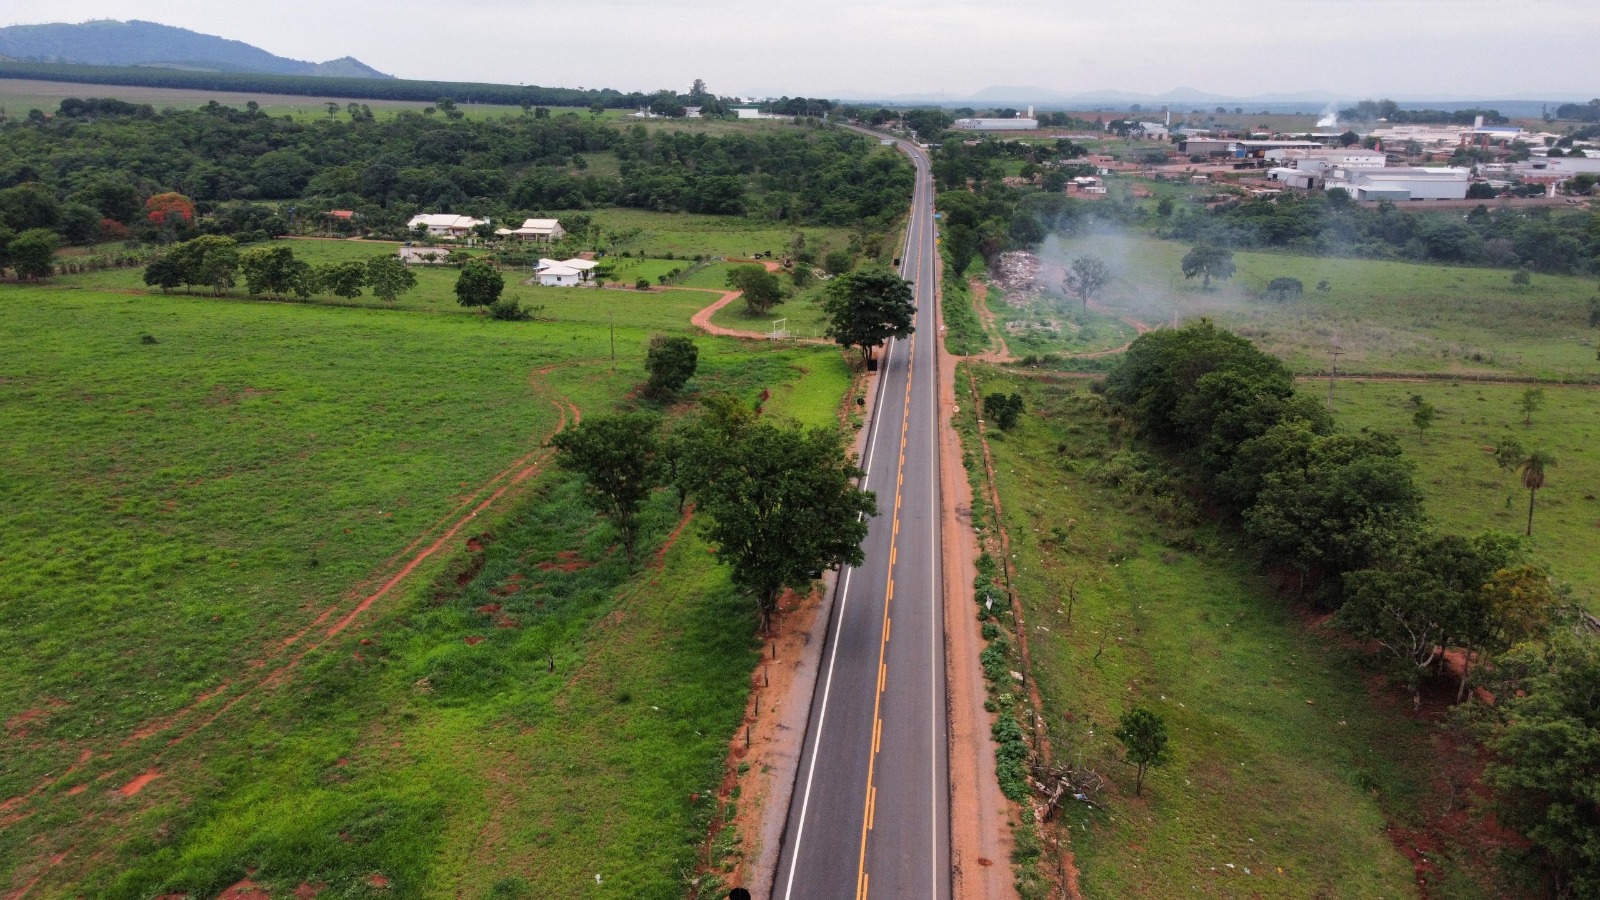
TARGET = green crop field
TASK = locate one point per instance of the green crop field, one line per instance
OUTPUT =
(1288, 762)
(1466, 491)
(1386, 316)
(213, 671)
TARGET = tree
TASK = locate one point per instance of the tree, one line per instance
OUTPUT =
(642, 284)
(783, 508)
(837, 262)
(165, 272)
(1530, 402)
(33, 253)
(479, 284)
(866, 308)
(1544, 756)
(389, 278)
(1509, 454)
(25, 207)
(1281, 289)
(274, 270)
(1594, 312)
(616, 455)
(210, 260)
(1521, 279)
(1423, 418)
(1005, 411)
(802, 276)
(1533, 473)
(961, 240)
(671, 362)
(1427, 596)
(760, 288)
(1085, 278)
(1143, 736)
(1210, 262)
(169, 209)
(342, 279)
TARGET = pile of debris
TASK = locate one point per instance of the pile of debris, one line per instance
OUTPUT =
(1016, 271)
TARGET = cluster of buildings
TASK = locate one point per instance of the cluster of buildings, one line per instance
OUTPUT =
(449, 226)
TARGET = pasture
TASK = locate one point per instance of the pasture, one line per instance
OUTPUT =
(218, 672)
(1386, 317)
(1288, 768)
(1467, 492)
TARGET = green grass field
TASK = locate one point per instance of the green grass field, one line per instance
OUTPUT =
(657, 234)
(1286, 764)
(1386, 316)
(191, 525)
(1466, 491)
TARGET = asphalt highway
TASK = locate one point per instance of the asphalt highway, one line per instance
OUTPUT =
(870, 813)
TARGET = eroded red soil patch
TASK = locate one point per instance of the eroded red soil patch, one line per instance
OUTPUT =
(473, 640)
(139, 782)
(308, 891)
(378, 880)
(245, 890)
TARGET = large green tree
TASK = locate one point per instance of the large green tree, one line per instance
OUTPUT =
(389, 278)
(342, 279)
(275, 271)
(1544, 760)
(869, 307)
(760, 289)
(32, 253)
(1209, 261)
(783, 506)
(616, 455)
(479, 284)
(671, 362)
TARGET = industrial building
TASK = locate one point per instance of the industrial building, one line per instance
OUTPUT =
(1400, 182)
(1027, 123)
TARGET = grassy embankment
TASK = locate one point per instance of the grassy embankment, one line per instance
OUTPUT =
(189, 523)
(1286, 766)
(1387, 317)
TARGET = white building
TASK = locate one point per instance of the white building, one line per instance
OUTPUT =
(1154, 131)
(544, 231)
(445, 224)
(1021, 123)
(1400, 182)
(564, 273)
(1327, 158)
(1305, 179)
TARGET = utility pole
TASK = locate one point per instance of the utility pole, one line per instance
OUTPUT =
(1333, 374)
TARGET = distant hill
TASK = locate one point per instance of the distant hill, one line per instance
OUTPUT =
(107, 42)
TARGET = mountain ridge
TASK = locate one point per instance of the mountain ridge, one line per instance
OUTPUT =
(109, 42)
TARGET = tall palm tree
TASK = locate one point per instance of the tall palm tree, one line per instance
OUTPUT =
(1533, 478)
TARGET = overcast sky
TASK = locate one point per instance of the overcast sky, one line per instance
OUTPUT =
(1487, 49)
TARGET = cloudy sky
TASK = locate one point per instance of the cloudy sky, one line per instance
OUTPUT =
(1417, 49)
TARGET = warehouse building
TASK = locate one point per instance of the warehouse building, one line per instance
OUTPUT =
(1021, 123)
(1400, 183)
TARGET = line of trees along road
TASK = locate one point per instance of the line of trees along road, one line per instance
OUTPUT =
(1339, 516)
(779, 502)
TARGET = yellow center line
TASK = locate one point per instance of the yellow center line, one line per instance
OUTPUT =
(870, 800)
